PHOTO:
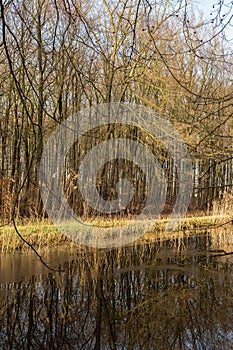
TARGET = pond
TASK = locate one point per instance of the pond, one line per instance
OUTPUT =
(173, 293)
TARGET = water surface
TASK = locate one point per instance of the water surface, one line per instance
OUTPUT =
(168, 294)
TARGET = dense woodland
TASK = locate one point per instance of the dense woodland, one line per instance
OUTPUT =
(60, 56)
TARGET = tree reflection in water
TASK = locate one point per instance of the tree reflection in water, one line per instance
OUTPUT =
(163, 295)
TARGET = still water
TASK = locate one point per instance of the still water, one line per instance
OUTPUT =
(173, 293)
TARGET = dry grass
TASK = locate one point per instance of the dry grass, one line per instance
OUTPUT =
(224, 205)
(43, 234)
(38, 233)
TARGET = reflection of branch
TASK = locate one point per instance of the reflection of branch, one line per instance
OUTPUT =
(211, 256)
(220, 252)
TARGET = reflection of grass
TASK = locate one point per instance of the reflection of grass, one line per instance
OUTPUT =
(43, 234)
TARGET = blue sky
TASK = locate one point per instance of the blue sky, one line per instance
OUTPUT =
(206, 6)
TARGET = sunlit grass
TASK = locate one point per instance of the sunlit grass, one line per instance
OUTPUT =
(39, 234)
(42, 234)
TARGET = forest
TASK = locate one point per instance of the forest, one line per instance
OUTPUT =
(61, 56)
(114, 114)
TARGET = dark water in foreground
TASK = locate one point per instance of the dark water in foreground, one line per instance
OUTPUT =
(170, 294)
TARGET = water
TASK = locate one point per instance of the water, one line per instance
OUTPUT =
(168, 294)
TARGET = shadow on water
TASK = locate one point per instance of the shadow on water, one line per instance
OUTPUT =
(169, 294)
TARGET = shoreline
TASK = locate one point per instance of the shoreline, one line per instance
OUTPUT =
(44, 234)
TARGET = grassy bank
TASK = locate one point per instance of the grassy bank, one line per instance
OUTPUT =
(39, 234)
(42, 234)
